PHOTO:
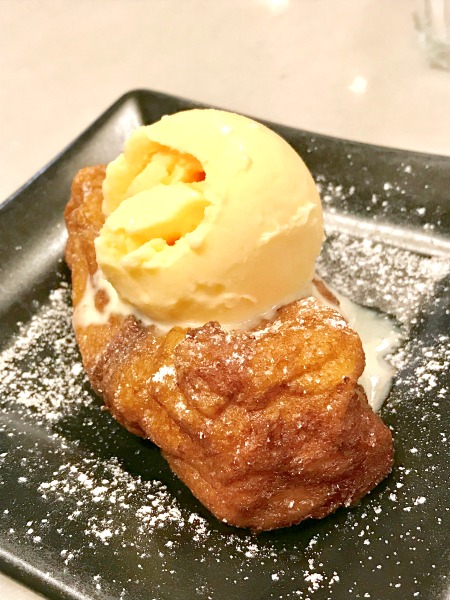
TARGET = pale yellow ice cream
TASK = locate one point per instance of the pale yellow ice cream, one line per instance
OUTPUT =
(210, 216)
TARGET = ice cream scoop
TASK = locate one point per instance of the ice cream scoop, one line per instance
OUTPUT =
(209, 216)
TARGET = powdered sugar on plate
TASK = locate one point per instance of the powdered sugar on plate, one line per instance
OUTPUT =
(380, 275)
(41, 370)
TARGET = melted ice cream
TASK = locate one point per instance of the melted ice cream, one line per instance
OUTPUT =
(379, 334)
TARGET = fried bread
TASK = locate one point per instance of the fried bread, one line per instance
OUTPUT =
(267, 426)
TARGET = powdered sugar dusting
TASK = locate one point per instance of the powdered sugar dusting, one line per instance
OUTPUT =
(380, 275)
(41, 371)
(163, 372)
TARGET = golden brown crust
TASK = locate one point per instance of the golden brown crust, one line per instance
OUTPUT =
(267, 427)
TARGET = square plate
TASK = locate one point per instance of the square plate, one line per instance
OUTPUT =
(90, 511)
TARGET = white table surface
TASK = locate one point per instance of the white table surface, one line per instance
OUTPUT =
(352, 69)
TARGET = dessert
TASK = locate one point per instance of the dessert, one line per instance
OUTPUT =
(247, 383)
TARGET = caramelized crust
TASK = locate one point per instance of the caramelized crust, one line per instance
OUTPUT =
(267, 427)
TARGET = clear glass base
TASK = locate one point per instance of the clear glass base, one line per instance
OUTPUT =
(432, 20)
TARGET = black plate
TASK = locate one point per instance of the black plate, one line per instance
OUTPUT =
(89, 511)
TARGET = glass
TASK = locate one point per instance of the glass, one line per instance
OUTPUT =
(432, 20)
